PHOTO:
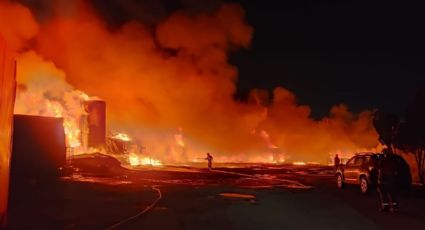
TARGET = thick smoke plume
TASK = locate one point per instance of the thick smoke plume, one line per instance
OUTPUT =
(17, 24)
(172, 87)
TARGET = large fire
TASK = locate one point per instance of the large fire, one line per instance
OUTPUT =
(169, 87)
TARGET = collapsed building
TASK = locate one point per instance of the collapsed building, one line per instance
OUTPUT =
(94, 133)
(7, 100)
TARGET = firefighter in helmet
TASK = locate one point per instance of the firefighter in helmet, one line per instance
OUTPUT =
(387, 181)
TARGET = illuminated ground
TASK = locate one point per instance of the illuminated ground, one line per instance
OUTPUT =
(249, 197)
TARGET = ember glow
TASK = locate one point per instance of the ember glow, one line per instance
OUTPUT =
(136, 160)
(169, 88)
(122, 136)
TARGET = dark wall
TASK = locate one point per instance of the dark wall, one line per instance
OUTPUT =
(38, 147)
(38, 152)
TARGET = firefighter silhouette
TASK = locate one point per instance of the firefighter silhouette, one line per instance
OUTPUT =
(209, 158)
(337, 161)
(387, 181)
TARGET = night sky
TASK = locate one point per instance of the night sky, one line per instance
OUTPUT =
(367, 55)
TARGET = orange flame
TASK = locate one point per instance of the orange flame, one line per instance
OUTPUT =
(121, 136)
(106, 64)
(136, 160)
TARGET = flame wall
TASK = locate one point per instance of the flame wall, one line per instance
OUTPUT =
(7, 98)
(171, 87)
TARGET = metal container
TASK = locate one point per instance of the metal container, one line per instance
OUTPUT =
(39, 148)
(94, 124)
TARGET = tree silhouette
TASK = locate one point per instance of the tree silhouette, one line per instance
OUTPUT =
(386, 125)
(408, 141)
(413, 135)
(409, 135)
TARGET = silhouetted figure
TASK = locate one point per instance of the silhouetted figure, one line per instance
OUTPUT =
(209, 158)
(387, 181)
(337, 161)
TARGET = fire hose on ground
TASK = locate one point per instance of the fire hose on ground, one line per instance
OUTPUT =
(144, 211)
(153, 204)
(254, 177)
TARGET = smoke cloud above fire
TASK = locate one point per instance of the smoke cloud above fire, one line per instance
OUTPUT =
(171, 86)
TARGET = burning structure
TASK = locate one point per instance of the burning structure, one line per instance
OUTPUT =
(118, 144)
(7, 99)
(94, 124)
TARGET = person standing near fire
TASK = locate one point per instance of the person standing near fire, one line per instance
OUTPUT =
(337, 161)
(209, 158)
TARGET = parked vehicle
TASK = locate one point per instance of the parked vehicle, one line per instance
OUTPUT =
(359, 170)
(362, 170)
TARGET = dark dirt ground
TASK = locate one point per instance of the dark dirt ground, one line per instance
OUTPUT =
(286, 197)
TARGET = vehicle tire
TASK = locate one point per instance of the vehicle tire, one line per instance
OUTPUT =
(339, 181)
(364, 185)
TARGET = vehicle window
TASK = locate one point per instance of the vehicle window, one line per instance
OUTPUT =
(350, 162)
(366, 159)
(358, 161)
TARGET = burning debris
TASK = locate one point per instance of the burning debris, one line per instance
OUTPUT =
(121, 144)
(118, 144)
(136, 160)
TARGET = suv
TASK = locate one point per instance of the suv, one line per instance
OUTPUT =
(359, 170)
